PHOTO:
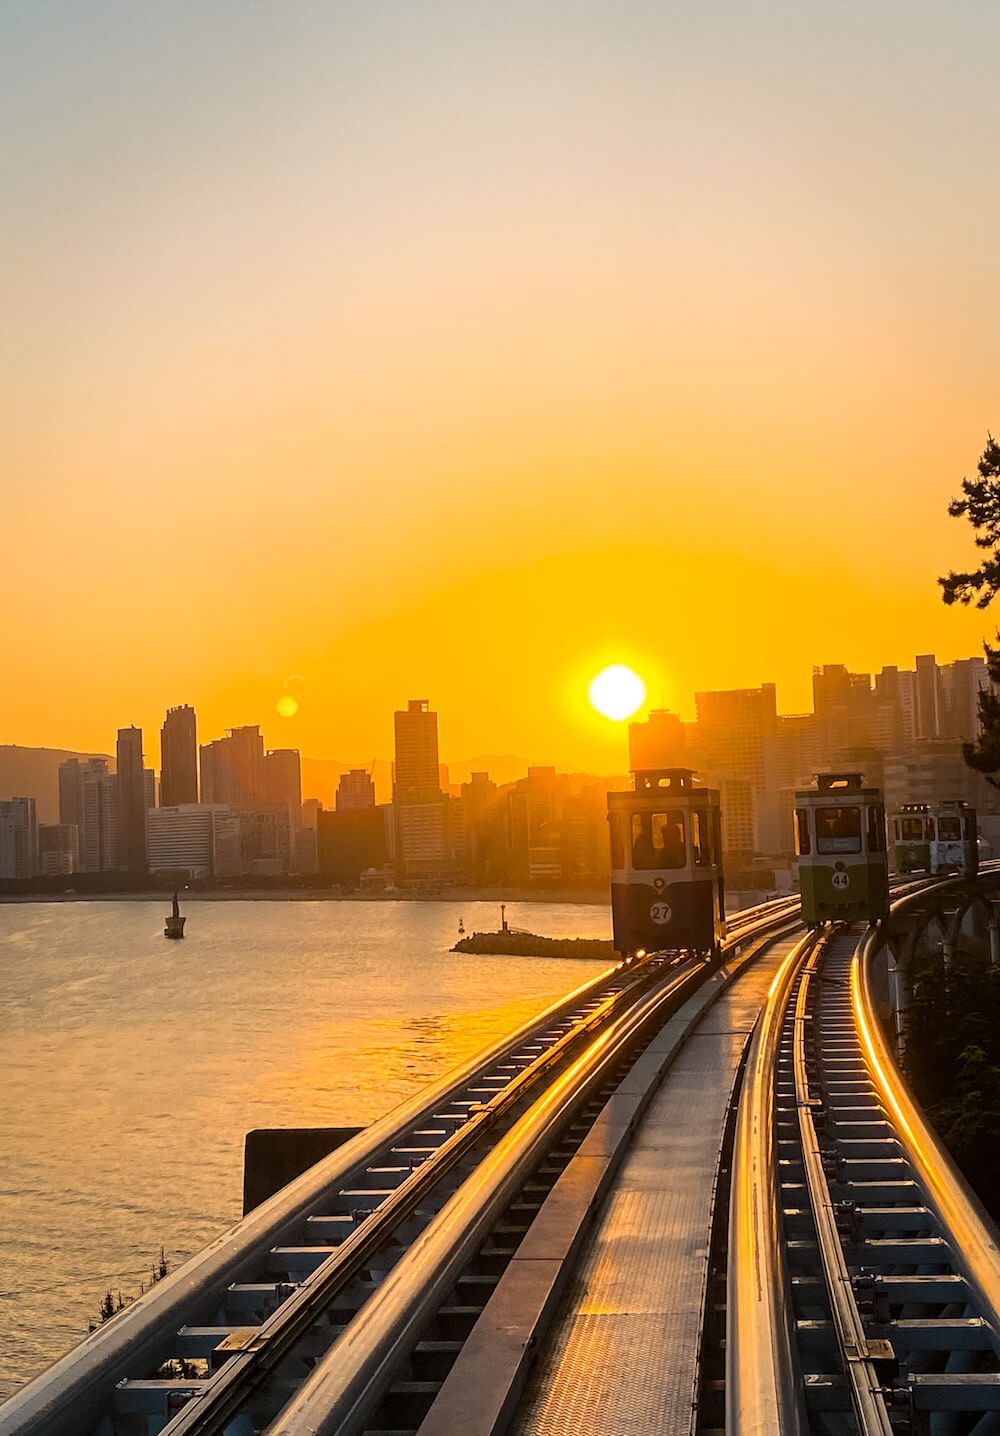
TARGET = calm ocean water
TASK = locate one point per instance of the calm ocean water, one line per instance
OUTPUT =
(131, 1068)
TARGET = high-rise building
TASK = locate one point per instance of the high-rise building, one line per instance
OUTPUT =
(420, 806)
(132, 801)
(283, 783)
(417, 772)
(959, 686)
(99, 811)
(658, 742)
(58, 849)
(355, 791)
(737, 730)
(18, 838)
(232, 770)
(71, 793)
(844, 708)
(179, 757)
(928, 697)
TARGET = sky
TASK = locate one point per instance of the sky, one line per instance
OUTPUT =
(378, 350)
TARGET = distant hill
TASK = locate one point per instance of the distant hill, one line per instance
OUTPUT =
(34, 773)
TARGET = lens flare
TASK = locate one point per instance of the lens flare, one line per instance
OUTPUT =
(617, 692)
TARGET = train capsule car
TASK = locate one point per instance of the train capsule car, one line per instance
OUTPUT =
(912, 831)
(954, 847)
(667, 891)
(840, 840)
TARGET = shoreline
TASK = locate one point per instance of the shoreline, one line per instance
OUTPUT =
(571, 897)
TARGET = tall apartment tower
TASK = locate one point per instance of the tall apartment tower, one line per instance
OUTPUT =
(71, 792)
(420, 806)
(928, 696)
(658, 742)
(18, 838)
(417, 776)
(232, 770)
(88, 801)
(283, 783)
(179, 757)
(132, 796)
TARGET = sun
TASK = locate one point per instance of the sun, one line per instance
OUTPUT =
(617, 692)
(287, 706)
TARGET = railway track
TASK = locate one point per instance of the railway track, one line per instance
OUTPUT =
(445, 1186)
(865, 1291)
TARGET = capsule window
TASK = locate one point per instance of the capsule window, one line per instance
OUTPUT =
(658, 840)
(876, 829)
(950, 829)
(802, 845)
(912, 830)
(838, 830)
(701, 838)
(616, 825)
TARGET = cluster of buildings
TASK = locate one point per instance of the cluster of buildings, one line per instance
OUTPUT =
(904, 730)
(229, 809)
(238, 811)
(545, 830)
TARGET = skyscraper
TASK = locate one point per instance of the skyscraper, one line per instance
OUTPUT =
(656, 743)
(232, 770)
(417, 777)
(420, 805)
(179, 757)
(283, 783)
(88, 798)
(18, 838)
(131, 801)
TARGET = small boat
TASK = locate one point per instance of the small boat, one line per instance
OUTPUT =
(174, 926)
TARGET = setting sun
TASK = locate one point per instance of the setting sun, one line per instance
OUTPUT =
(617, 692)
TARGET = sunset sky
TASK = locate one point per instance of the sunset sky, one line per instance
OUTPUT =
(455, 350)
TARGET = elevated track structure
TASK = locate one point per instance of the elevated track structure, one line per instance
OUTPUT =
(691, 1196)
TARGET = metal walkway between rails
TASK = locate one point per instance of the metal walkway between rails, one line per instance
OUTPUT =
(622, 1354)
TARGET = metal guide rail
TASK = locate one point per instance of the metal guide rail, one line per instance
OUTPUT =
(227, 1340)
(864, 1278)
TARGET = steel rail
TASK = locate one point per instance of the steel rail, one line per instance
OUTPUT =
(347, 1384)
(73, 1394)
(972, 1234)
(209, 1412)
(763, 1395)
(866, 1389)
(74, 1390)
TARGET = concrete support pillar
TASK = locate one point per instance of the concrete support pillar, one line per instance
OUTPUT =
(994, 932)
(899, 995)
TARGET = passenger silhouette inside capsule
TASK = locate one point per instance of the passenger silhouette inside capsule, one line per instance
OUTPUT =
(658, 840)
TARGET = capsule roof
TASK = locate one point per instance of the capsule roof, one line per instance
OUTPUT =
(839, 785)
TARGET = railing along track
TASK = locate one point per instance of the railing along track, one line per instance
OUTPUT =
(864, 1277)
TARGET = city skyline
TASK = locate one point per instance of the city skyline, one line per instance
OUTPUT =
(233, 809)
(687, 713)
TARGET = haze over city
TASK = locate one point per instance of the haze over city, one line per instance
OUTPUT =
(369, 350)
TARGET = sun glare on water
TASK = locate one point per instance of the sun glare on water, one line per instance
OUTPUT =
(617, 692)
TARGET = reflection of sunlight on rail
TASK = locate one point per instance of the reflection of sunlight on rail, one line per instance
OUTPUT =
(868, 1042)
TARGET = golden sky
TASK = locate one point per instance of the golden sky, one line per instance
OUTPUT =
(456, 350)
